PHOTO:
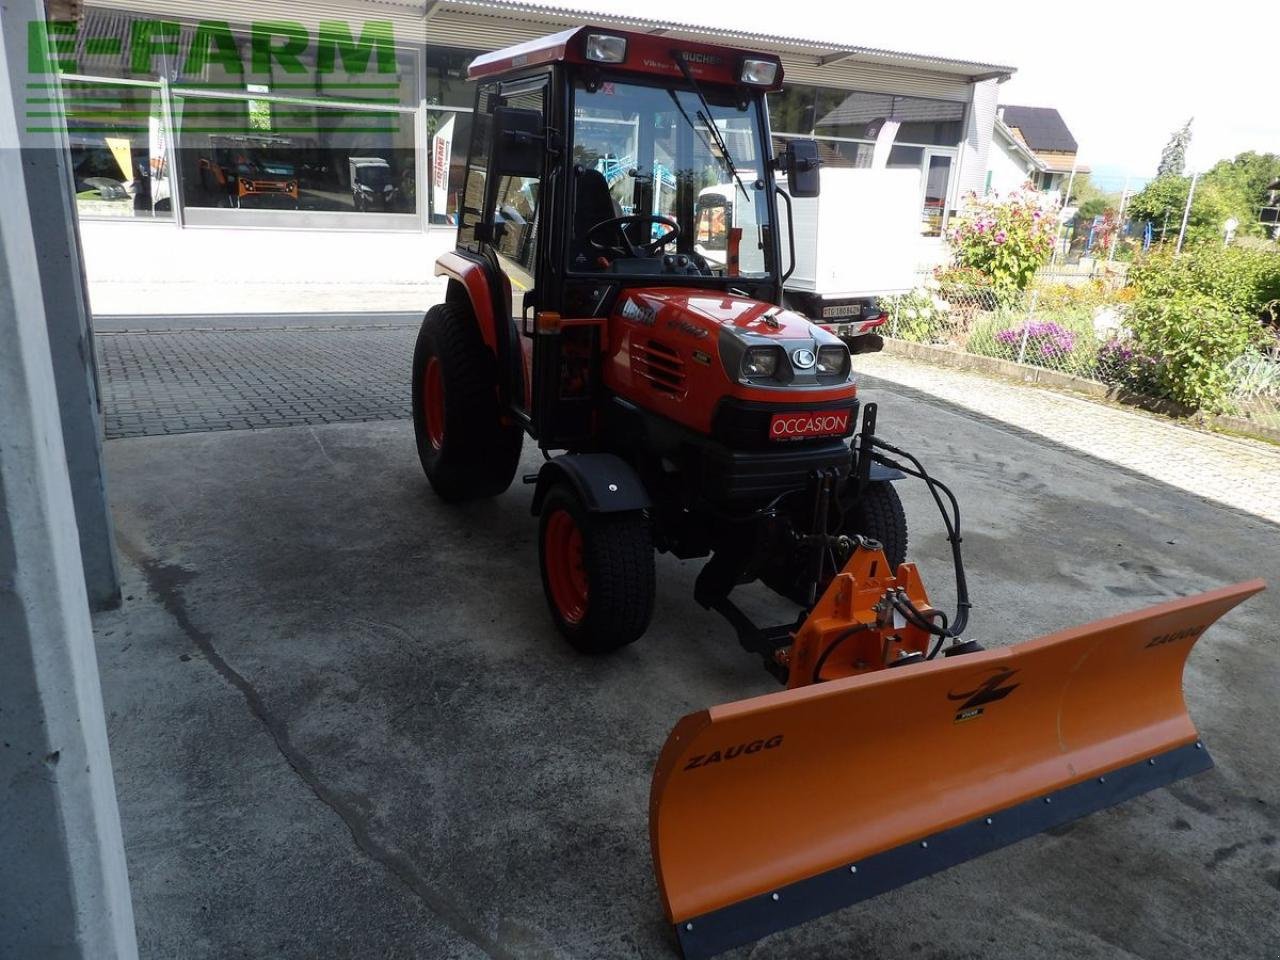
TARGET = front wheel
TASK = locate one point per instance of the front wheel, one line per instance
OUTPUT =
(878, 514)
(597, 572)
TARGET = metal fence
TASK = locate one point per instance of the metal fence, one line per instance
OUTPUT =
(1073, 324)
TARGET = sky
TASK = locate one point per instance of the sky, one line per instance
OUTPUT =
(1123, 75)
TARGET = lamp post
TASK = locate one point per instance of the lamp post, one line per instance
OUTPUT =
(1186, 213)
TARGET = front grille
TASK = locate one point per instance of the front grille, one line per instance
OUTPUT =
(661, 365)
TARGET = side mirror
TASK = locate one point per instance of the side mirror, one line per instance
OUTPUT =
(518, 142)
(800, 162)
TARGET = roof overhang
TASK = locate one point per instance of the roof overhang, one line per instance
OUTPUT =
(812, 51)
(1021, 149)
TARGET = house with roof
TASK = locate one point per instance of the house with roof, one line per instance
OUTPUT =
(1031, 144)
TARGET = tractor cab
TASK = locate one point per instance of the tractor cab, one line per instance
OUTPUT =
(590, 151)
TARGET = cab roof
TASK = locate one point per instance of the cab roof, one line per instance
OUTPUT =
(645, 54)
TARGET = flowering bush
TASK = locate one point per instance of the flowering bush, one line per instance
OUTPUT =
(1045, 339)
(1005, 239)
(919, 316)
(1123, 363)
(1063, 341)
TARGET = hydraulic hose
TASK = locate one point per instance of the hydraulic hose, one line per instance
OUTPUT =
(950, 519)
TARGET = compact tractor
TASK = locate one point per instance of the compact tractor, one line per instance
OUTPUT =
(680, 408)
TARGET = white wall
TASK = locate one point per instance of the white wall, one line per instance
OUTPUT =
(1009, 170)
(147, 267)
(979, 142)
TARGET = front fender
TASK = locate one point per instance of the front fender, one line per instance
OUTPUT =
(603, 482)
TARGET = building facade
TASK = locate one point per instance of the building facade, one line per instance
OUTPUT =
(1032, 144)
(355, 115)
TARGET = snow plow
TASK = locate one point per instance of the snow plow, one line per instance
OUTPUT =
(681, 409)
(771, 811)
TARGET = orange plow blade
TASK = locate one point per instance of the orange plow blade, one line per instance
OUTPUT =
(771, 811)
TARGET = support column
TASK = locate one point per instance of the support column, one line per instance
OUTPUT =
(46, 174)
(64, 889)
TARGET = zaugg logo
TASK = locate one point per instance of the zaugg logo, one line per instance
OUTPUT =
(1164, 638)
(989, 691)
(732, 753)
(272, 44)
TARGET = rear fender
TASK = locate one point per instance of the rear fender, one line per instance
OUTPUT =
(485, 289)
(604, 483)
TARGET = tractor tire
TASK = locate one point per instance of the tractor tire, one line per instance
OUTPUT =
(467, 452)
(878, 514)
(597, 572)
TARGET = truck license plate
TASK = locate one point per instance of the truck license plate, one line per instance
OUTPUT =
(808, 423)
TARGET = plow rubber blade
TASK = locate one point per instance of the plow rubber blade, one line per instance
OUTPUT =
(771, 811)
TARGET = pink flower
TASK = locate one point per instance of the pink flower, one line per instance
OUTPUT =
(1037, 215)
(980, 227)
(1001, 237)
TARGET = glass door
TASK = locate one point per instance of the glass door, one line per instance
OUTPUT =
(937, 188)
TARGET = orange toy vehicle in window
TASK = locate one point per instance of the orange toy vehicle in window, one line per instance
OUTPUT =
(688, 412)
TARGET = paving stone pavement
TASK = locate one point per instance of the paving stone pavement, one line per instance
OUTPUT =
(192, 381)
(1234, 471)
(186, 381)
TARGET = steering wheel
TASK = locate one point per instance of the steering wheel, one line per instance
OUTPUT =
(628, 247)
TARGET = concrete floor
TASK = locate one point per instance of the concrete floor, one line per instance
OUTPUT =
(343, 726)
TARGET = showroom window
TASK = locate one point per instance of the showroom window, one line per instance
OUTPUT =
(448, 134)
(119, 146)
(445, 77)
(271, 123)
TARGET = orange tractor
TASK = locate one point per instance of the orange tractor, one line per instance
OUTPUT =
(689, 413)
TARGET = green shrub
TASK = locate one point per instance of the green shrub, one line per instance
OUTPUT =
(1194, 338)
(1198, 313)
(1243, 279)
(1256, 373)
(919, 316)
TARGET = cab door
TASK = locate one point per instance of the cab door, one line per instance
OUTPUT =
(503, 213)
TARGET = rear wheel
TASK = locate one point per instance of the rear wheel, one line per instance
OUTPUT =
(878, 514)
(597, 572)
(466, 450)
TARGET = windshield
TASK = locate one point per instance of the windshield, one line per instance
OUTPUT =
(644, 152)
(373, 175)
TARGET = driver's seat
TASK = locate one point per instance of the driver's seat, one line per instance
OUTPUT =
(592, 204)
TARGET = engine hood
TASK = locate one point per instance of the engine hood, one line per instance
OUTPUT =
(682, 308)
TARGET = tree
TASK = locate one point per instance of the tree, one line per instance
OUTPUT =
(1161, 201)
(1231, 189)
(1173, 159)
(1083, 190)
(1240, 184)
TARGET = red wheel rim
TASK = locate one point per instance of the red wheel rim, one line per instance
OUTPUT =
(433, 402)
(566, 575)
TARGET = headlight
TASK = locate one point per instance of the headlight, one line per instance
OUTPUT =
(833, 360)
(606, 49)
(760, 361)
(759, 72)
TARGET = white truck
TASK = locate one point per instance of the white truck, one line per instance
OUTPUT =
(857, 241)
(371, 185)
